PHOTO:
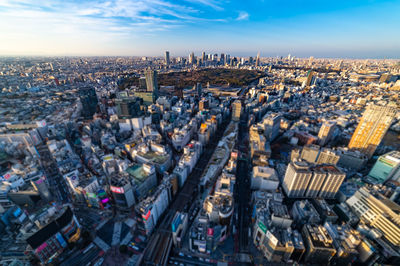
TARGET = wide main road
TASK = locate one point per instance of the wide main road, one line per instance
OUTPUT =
(159, 245)
(243, 192)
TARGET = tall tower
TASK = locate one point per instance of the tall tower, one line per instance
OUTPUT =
(222, 59)
(203, 57)
(151, 82)
(258, 60)
(167, 62)
(310, 78)
(191, 58)
(373, 126)
(89, 101)
(236, 109)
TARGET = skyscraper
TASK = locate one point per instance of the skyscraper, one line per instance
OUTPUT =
(222, 59)
(191, 58)
(325, 132)
(151, 82)
(373, 126)
(89, 101)
(199, 89)
(258, 60)
(310, 79)
(236, 109)
(128, 107)
(167, 62)
(203, 57)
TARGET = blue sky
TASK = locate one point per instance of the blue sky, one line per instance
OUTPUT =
(342, 28)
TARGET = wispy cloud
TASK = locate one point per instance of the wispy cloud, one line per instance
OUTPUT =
(148, 14)
(243, 15)
(217, 5)
(48, 25)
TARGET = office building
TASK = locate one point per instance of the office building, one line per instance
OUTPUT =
(378, 212)
(203, 104)
(371, 129)
(310, 153)
(152, 83)
(313, 154)
(304, 212)
(303, 180)
(150, 209)
(311, 79)
(89, 101)
(191, 58)
(264, 178)
(325, 133)
(387, 167)
(319, 244)
(324, 210)
(219, 206)
(122, 191)
(167, 61)
(345, 240)
(349, 159)
(143, 178)
(271, 123)
(129, 107)
(40, 185)
(236, 110)
(258, 60)
(222, 59)
(51, 231)
(298, 246)
(277, 245)
(179, 226)
(199, 89)
(333, 180)
(327, 156)
(297, 178)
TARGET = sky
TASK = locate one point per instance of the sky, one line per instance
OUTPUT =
(303, 28)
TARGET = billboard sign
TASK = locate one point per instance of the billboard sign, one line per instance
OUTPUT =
(91, 195)
(272, 238)
(262, 227)
(146, 217)
(105, 200)
(61, 240)
(118, 190)
(6, 176)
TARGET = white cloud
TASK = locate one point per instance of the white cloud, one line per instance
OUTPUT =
(243, 15)
(211, 3)
(43, 26)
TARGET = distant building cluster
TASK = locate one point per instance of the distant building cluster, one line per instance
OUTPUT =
(300, 166)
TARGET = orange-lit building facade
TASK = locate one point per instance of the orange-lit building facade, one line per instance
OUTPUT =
(373, 126)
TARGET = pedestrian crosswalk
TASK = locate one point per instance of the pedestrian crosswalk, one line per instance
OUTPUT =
(126, 239)
(116, 234)
(101, 244)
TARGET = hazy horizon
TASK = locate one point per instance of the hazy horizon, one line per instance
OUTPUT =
(329, 29)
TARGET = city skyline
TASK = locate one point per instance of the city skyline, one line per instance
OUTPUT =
(133, 28)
